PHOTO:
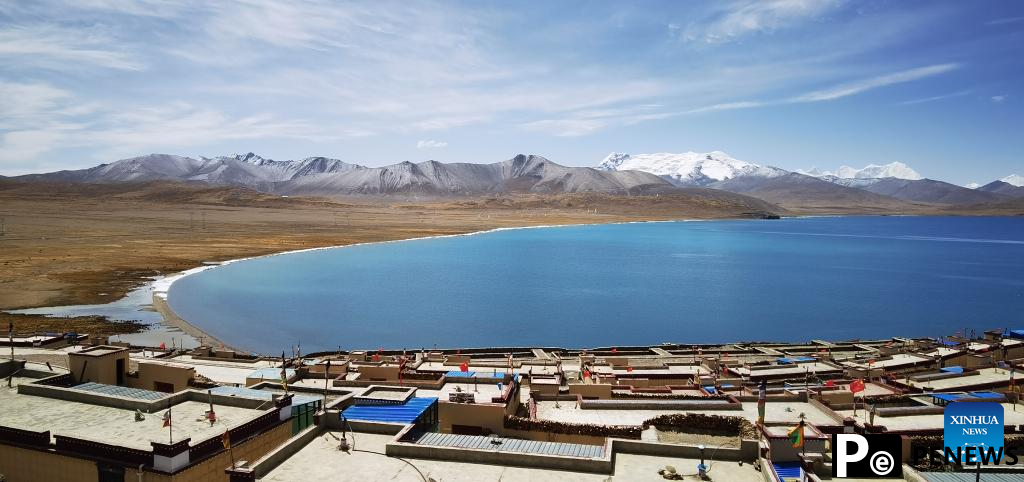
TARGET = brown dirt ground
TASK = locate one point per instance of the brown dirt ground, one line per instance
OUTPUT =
(73, 244)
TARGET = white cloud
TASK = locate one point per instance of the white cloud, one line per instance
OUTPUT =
(58, 48)
(999, 99)
(740, 18)
(935, 98)
(857, 87)
(431, 144)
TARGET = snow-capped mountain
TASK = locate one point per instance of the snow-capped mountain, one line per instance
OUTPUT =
(1015, 180)
(248, 170)
(688, 168)
(896, 170)
(1012, 185)
(326, 176)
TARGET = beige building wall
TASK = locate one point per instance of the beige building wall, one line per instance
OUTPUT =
(26, 465)
(212, 469)
(381, 373)
(162, 377)
(591, 390)
(490, 417)
(99, 369)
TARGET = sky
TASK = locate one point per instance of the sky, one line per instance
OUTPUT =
(791, 83)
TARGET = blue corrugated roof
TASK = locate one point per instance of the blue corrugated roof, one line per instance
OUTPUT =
(407, 412)
(1016, 333)
(788, 470)
(987, 395)
(458, 374)
(955, 369)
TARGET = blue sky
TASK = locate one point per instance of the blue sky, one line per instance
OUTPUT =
(792, 83)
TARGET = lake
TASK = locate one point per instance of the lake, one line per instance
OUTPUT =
(793, 279)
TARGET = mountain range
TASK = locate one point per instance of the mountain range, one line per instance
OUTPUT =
(875, 188)
(873, 185)
(325, 176)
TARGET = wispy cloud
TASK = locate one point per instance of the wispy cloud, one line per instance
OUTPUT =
(430, 144)
(999, 99)
(739, 18)
(852, 88)
(1005, 20)
(936, 98)
(58, 48)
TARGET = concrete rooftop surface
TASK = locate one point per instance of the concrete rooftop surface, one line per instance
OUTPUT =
(321, 460)
(113, 425)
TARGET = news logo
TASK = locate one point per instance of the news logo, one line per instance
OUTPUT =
(866, 456)
(973, 432)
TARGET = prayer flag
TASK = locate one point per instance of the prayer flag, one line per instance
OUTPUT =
(857, 385)
(796, 436)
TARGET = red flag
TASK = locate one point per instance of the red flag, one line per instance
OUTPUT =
(615, 350)
(375, 357)
(871, 362)
(586, 373)
(167, 418)
(857, 385)
(830, 383)
(464, 367)
(629, 369)
(163, 346)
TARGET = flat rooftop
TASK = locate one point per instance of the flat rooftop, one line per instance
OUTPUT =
(113, 425)
(484, 391)
(928, 422)
(223, 371)
(775, 412)
(320, 460)
(788, 369)
(984, 375)
(897, 360)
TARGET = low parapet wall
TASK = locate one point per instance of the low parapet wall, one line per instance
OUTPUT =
(641, 404)
(602, 465)
(747, 450)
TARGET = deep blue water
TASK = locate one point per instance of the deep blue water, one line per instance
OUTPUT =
(711, 281)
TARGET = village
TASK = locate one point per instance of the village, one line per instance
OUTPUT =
(91, 409)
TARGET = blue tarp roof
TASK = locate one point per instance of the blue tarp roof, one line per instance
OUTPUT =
(407, 412)
(796, 359)
(710, 389)
(458, 373)
(987, 395)
(954, 369)
(1016, 333)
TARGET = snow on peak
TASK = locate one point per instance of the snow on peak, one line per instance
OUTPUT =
(972, 185)
(688, 168)
(1014, 180)
(897, 170)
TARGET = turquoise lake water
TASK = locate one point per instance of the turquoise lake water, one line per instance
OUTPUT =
(586, 286)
